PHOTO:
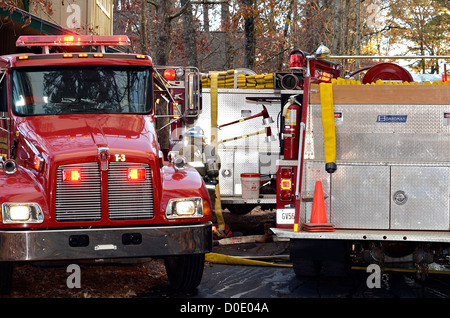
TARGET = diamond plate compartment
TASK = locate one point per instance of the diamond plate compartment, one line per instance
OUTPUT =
(365, 135)
(425, 205)
(360, 197)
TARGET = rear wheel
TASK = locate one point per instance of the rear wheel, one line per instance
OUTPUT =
(185, 271)
(6, 277)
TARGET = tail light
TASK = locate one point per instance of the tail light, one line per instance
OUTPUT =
(286, 184)
(297, 59)
(71, 175)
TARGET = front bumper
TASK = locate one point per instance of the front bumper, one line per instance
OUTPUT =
(67, 244)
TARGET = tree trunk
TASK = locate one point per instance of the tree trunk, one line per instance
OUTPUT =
(144, 35)
(205, 18)
(358, 35)
(249, 31)
(337, 26)
(288, 26)
(162, 42)
(190, 38)
(225, 26)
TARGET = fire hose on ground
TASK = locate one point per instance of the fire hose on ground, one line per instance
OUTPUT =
(235, 260)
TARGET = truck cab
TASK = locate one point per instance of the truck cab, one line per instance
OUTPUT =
(83, 176)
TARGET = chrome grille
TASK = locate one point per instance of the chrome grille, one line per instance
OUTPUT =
(129, 199)
(79, 200)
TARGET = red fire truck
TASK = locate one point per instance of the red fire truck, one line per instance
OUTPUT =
(82, 173)
(365, 173)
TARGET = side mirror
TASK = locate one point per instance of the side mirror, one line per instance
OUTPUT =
(194, 92)
(183, 85)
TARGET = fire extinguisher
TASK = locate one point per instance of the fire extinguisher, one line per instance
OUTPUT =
(291, 113)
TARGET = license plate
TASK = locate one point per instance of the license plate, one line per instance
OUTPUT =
(285, 216)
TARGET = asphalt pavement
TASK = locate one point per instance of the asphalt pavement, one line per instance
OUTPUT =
(229, 280)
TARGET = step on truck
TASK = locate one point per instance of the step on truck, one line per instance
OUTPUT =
(365, 173)
(82, 173)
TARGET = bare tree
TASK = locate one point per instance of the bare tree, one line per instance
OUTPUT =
(337, 25)
(190, 37)
(226, 27)
(143, 25)
(164, 13)
(249, 31)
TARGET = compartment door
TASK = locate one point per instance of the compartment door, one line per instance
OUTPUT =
(360, 197)
(420, 197)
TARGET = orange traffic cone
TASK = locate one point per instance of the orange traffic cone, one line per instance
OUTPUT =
(318, 221)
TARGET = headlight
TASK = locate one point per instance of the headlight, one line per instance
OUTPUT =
(185, 208)
(22, 213)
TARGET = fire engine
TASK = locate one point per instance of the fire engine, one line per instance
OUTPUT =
(82, 174)
(364, 177)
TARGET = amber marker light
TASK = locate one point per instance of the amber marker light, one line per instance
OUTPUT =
(71, 175)
(136, 174)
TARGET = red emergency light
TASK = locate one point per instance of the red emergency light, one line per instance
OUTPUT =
(170, 74)
(446, 77)
(72, 40)
(297, 59)
(136, 174)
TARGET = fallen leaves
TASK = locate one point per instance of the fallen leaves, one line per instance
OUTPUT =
(97, 280)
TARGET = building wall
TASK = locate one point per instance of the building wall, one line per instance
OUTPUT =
(81, 16)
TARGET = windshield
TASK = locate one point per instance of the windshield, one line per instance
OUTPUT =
(81, 89)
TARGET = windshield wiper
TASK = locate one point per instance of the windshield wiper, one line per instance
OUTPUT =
(63, 105)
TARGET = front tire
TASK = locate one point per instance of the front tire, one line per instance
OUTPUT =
(185, 271)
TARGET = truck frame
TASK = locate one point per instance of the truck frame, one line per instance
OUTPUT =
(82, 174)
(381, 157)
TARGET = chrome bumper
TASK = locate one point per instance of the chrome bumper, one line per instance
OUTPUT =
(66, 244)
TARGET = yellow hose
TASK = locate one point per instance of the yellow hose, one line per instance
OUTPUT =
(402, 270)
(329, 133)
(233, 260)
(214, 142)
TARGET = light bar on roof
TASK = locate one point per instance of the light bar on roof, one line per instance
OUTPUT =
(73, 40)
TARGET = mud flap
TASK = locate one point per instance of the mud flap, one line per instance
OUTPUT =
(319, 257)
